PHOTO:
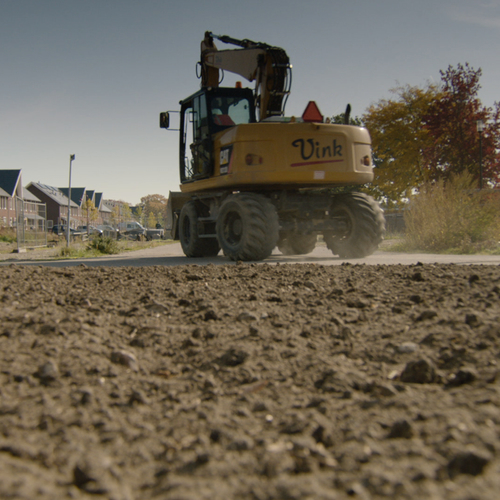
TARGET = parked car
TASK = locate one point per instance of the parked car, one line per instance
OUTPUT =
(60, 230)
(92, 230)
(109, 231)
(131, 229)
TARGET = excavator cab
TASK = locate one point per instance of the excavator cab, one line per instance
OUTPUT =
(203, 115)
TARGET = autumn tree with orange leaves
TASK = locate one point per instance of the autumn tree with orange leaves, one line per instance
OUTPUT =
(427, 134)
(452, 126)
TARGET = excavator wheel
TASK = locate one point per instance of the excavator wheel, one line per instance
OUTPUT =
(192, 244)
(247, 227)
(364, 226)
(294, 243)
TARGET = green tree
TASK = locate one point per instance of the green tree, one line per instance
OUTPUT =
(155, 203)
(92, 212)
(115, 216)
(340, 119)
(126, 212)
(398, 139)
(139, 214)
(151, 222)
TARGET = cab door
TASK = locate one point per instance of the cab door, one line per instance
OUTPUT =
(196, 158)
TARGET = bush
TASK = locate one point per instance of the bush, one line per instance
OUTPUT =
(106, 246)
(67, 252)
(453, 217)
(8, 235)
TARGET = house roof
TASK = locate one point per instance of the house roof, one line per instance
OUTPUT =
(9, 180)
(4, 193)
(77, 194)
(99, 203)
(29, 196)
(53, 193)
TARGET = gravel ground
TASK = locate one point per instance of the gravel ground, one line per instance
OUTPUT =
(250, 382)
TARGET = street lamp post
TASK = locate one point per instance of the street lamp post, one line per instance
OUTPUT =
(480, 129)
(71, 158)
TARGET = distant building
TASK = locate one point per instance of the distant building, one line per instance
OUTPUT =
(119, 210)
(10, 186)
(34, 211)
(57, 205)
(80, 195)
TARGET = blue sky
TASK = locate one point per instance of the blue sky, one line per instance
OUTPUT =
(90, 77)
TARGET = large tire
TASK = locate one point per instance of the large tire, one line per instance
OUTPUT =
(294, 243)
(191, 243)
(364, 226)
(247, 227)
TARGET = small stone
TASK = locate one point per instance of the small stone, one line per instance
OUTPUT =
(125, 358)
(463, 376)
(48, 372)
(260, 406)
(418, 276)
(254, 331)
(401, 429)
(210, 315)
(427, 314)
(356, 304)
(137, 397)
(383, 390)
(156, 307)
(247, 316)
(407, 347)
(473, 278)
(467, 462)
(233, 357)
(472, 319)
(421, 371)
(240, 444)
(94, 474)
(87, 396)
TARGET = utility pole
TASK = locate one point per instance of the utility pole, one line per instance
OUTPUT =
(71, 158)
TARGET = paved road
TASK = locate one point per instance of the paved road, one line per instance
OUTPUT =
(171, 255)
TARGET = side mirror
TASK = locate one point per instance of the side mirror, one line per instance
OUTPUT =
(164, 120)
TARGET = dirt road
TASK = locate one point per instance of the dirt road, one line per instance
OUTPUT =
(171, 255)
(250, 381)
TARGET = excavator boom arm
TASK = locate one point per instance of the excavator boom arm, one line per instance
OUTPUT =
(268, 66)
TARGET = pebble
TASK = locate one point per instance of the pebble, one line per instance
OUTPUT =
(48, 372)
(407, 347)
(427, 314)
(421, 371)
(462, 376)
(401, 429)
(233, 357)
(125, 358)
(467, 462)
(247, 316)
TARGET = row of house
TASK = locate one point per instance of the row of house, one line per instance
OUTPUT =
(54, 200)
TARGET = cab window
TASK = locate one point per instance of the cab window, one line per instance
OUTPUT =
(229, 111)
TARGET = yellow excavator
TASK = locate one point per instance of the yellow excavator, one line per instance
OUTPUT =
(253, 179)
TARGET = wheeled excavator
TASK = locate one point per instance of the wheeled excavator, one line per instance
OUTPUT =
(253, 179)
